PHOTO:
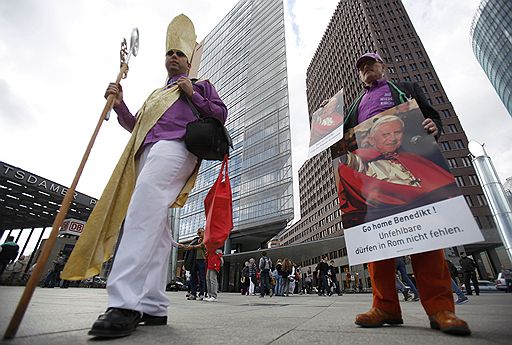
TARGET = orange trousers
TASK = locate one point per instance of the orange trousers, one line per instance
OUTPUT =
(433, 282)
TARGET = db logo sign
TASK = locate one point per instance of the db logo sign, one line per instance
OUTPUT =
(72, 227)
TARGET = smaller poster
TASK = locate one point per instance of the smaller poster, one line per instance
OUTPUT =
(326, 125)
(395, 190)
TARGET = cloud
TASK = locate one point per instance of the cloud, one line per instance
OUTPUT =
(14, 111)
(443, 28)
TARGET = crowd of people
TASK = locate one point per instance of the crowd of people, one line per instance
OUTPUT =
(287, 278)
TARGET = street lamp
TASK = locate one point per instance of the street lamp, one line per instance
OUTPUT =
(494, 192)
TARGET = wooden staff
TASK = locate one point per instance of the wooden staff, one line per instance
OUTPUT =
(63, 210)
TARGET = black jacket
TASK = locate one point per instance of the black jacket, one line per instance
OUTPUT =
(467, 264)
(453, 270)
(9, 252)
(405, 89)
(189, 260)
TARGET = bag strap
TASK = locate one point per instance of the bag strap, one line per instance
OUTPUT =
(192, 106)
(402, 97)
(224, 170)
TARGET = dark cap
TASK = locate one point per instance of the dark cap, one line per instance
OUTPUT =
(367, 56)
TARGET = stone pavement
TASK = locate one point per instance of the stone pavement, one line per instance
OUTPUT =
(63, 316)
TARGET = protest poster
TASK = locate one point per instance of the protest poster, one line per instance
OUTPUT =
(326, 125)
(395, 190)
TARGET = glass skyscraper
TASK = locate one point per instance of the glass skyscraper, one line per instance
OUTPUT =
(245, 58)
(491, 33)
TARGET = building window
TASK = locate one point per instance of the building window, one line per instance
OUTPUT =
(423, 64)
(445, 145)
(473, 180)
(459, 144)
(424, 89)
(434, 87)
(469, 201)
(466, 161)
(478, 222)
(419, 54)
(446, 113)
(452, 162)
(429, 76)
(459, 181)
(490, 220)
(408, 78)
(482, 201)
(391, 69)
(414, 67)
(414, 44)
(408, 56)
(419, 78)
(398, 58)
(439, 99)
(405, 46)
(403, 69)
(452, 128)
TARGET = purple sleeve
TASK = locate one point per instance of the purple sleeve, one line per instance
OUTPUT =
(208, 102)
(124, 117)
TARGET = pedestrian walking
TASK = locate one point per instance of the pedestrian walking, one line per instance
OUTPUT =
(461, 298)
(214, 263)
(469, 267)
(401, 268)
(265, 266)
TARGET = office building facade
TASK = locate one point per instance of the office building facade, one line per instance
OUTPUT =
(491, 36)
(245, 58)
(363, 26)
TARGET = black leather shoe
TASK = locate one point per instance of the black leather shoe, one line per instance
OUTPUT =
(151, 320)
(115, 322)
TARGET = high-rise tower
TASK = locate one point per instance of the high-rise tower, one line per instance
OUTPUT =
(245, 58)
(491, 34)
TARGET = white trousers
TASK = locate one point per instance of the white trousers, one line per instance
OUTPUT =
(251, 287)
(139, 273)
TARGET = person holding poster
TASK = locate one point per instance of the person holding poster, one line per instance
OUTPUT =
(431, 272)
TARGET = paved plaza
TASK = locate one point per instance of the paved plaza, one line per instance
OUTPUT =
(63, 316)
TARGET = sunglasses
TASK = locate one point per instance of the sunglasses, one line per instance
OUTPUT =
(177, 52)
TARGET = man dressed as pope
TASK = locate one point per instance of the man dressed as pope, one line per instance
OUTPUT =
(154, 172)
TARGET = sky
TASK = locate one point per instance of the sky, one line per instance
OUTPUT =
(58, 56)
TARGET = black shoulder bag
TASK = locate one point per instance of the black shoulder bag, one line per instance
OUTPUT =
(207, 137)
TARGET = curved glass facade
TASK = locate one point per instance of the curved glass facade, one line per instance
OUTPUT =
(491, 33)
(245, 58)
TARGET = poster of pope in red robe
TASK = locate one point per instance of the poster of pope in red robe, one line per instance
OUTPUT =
(388, 166)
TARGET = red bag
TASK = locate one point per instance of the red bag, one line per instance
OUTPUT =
(219, 210)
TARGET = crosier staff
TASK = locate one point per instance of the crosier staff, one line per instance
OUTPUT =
(63, 210)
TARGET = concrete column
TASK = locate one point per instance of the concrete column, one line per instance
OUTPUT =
(495, 260)
(35, 250)
(174, 227)
(227, 246)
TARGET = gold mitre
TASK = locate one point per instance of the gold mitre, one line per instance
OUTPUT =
(181, 35)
